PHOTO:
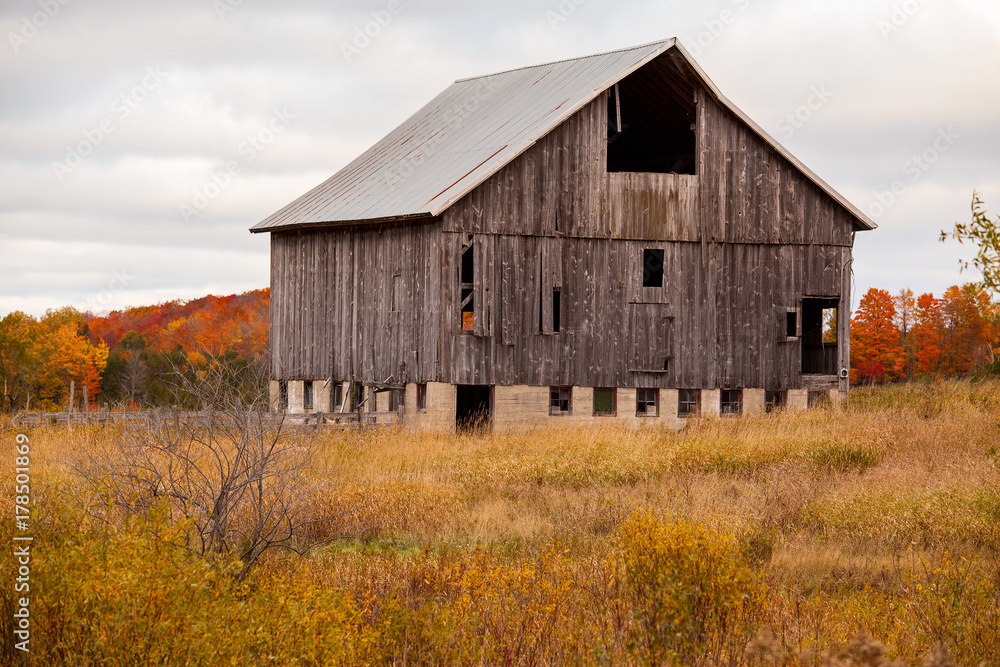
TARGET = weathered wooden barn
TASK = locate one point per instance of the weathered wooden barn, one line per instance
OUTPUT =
(595, 239)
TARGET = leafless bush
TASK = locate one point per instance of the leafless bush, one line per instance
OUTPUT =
(231, 475)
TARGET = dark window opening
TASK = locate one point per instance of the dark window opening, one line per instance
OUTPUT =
(605, 402)
(774, 400)
(307, 395)
(283, 394)
(647, 402)
(731, 401)
(467, 279)
(651, 122)
(468, 265)
(791, 324)
(421, 398)
(555, 311)
(357, 397)
(688, 401)
(338, 396)
(473, 407)
(820, 347)
(652, 267)
(560, 400)
(394, 401)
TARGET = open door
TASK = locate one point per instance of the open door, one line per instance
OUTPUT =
(820, 344)
(474, 407)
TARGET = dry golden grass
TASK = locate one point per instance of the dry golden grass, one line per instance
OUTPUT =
(881, 516)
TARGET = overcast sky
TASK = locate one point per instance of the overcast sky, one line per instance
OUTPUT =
(140, 140)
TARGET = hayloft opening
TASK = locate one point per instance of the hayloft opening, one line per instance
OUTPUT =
(651, 122)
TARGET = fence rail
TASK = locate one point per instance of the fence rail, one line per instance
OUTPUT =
(148, 418)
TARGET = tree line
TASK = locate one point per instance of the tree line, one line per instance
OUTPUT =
(133, 356)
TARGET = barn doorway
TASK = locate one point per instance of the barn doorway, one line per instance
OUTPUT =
(474, 407)
(820, 344)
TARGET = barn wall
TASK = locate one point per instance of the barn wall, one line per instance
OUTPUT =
(356, 304)
(721, 323)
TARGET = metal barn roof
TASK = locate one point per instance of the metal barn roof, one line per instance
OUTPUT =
(470, 131)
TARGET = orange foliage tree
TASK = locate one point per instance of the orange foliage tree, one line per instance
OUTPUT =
(876, 353)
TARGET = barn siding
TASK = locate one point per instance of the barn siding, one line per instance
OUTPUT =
(744, 240)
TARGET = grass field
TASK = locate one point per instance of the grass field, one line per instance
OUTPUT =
(859, 534)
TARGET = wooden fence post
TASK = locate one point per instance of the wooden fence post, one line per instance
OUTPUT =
(86, 406)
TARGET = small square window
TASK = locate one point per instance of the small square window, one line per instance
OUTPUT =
(421, 397)
(688, 401)
(731, 401)
(647, 402)
(652, 267)
(774, 400)
(604, 402)
(560, 400)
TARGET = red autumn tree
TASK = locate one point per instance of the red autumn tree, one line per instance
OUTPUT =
(876, 353)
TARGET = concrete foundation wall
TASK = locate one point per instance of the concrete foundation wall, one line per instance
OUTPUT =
(440, 413)
(711, 403)
(754, 401)
(296, 389)
(797, 399)
(520, 406)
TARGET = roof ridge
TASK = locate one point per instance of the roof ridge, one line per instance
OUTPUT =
(566, 60)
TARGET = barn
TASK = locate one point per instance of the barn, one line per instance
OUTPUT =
(600, 239)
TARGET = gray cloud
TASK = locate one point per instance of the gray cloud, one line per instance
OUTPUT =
(64, 235)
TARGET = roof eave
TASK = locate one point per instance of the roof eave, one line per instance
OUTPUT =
(412, 217)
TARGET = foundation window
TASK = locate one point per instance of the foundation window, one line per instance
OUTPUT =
(605, 402)
(337, 396)
(560, 400)
(307, 395)
(394, 402)
(688, 402)
(731, 401)
(647, 402)
(467, 280)
(421, 397)
(774, 400)
(283, 394)
(652, 267)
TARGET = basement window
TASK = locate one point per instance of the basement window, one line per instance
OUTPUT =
(647, 402)
(283, 394)
(422, 397)
(605, 402)
(652, 267)
(688, 402)
(651, 121)
(774, 400)
(307, 395)
(731, 401)
(560, 401)
(338, 396)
